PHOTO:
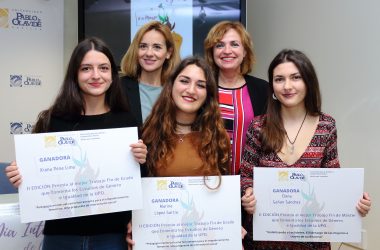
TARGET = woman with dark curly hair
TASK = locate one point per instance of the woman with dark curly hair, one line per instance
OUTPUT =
(184, 133)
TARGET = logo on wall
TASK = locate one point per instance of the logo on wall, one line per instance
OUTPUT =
(15, 80)
(26, 80)
(17, 128)
(21, 19)
(4, 17)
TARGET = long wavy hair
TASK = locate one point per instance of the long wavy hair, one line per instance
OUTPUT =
(130, 62)
(69, 103)
(159, 130)
(216, 34)
(273, 132)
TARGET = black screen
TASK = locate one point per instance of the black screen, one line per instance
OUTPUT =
(111, 21)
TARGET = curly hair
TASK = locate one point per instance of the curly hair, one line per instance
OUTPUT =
(160, 127)
(130, 62)
(216, 34)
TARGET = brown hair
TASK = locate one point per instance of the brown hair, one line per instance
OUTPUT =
(69, 103)
(159, 128)
(273, 131)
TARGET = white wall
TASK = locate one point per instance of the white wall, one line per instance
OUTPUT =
(342, 39)
(70, 29)
(31, 62)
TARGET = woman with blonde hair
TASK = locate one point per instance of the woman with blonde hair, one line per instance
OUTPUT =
(146, 66)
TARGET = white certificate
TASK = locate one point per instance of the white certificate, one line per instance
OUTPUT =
(182, 213)
(77, 173)
(307, 204)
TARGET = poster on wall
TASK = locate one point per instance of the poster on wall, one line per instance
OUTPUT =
(189, 20)
(177, 15)
(31, 65)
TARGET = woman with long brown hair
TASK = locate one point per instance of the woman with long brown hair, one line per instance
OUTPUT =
(184, 133)
(90, 98)
(294, 133)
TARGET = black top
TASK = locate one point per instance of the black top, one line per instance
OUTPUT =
(258, 93)
(257, 89)
(93, 224)
(131, 89)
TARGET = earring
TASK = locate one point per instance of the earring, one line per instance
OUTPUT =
(274, 97)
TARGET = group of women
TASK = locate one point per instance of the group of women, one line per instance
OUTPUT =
(199, 117)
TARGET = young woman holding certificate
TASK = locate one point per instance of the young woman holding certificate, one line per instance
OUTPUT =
(293, 133)
(90, 98)
(184, 133)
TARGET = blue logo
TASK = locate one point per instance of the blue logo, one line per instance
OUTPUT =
(175, 184)
(17, 128)
(15, 80)
(297, 176)
(66, 140)
(32, 81)
(27, 18)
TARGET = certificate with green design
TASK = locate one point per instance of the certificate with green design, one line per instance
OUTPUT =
(183, 213)
(77, 173)
(307, 204)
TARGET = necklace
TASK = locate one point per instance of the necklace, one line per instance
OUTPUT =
(292, 142)
(184, 124)
(182, 131)
(181, 136)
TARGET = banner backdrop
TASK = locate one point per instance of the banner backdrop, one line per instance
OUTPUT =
(15, 235)
(31, 64)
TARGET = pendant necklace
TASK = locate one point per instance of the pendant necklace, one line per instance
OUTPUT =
(294, 141)
(181, 136)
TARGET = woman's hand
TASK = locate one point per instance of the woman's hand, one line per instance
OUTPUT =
(13, 174)
(243, 234)
(128, 237)
(364, 204)
(139, 151)
(248, 201)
